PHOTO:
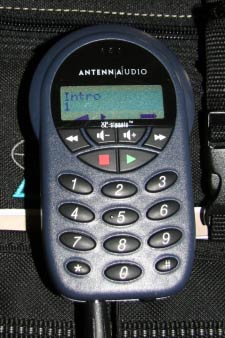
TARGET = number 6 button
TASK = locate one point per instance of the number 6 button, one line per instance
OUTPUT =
(163, 210)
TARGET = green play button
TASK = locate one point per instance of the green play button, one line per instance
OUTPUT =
(130, 159)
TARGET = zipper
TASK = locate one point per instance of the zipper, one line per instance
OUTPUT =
(28, 328)
(63, 24)
(190, 329)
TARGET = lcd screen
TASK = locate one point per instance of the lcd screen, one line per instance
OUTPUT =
(111, 102)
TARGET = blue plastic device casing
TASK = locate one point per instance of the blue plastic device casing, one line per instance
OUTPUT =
(56, 159)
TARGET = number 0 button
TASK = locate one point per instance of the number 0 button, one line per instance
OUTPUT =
(120, 216)
(163, 210)
(123, 272)
(77, 241)
(76, 212)
(161, 181)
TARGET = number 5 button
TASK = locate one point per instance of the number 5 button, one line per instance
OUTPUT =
(163, 210)
(120, 216)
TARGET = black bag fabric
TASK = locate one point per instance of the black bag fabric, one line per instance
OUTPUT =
(29, 306)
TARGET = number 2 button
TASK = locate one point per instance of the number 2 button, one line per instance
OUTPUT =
(119, 189)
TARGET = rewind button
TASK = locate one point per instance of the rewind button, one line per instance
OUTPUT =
(158, 138)
(73, 139)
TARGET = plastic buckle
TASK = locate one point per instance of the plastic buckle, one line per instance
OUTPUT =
(216, 165)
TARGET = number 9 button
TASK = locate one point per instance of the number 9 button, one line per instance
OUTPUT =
(165, 238)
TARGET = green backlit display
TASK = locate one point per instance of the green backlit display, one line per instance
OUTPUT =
(112, 102)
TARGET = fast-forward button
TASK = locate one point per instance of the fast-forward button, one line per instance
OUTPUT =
(158, 138)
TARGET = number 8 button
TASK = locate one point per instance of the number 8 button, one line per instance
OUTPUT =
(122, 244)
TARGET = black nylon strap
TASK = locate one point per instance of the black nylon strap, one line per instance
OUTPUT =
(215, 89)
(218, 227)
(216, 130)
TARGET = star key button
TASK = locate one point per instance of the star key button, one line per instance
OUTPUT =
(78, 268)
(104, 159)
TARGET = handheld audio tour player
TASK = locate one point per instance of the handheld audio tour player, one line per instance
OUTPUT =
(113, 108)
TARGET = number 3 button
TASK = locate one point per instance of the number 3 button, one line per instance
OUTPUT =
(161, 181)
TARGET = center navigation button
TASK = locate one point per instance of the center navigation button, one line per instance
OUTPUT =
(130, 159)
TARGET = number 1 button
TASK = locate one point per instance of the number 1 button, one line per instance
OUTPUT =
(75, 184)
